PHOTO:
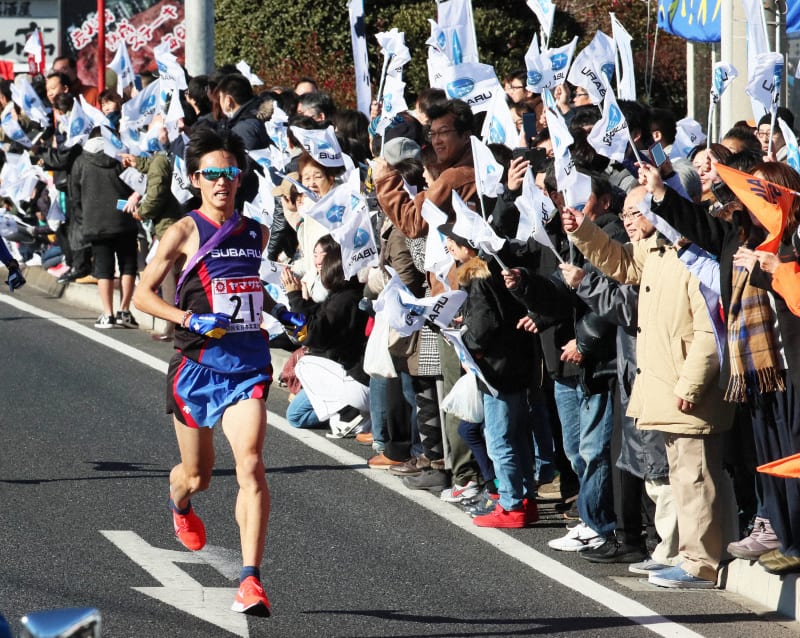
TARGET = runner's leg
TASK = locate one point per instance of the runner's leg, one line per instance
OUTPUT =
(245, 424)
(193, 473)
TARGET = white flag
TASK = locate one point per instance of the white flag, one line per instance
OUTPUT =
(179, 186)
(793, 154)
(498, 125)
(724, 74)
(626, 82)
(593, 68)
(358, 36)
(79, 125)
(34, 47)
(437, 258)
(764, 82)
(97, 116)
(173, 118)
(474, 83)
(112, 145)
(135, 179)
(394, 102)
(470, 225)
(545, 11)
(551, 68)
(121, 65)
(536, 209)
(244, 68)
(689, 133)
(357, 240)
(331, 209)
(453, 337)
(610, 135)
(579, 193)
(24, 96)
(321, 144)
(394, 50)
(561, 139)
(437, 63)
(139, 110)
(454, 18)
(12, 128)
(170, 73)
(488, 171)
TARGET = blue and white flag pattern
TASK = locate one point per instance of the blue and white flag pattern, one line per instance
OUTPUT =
(593, 68)
(545, 11)
(689, 133)
(551, 68)
(453, 337)
(488, 171)
(121, 65)
(79, 125)
(475, 228)
(394, 50)
(437, 258)
(394, 102)
(474, 83)
(180, 184)
(454, 19)
(14, 131)
(139, 110)
(498, 125)
(793, 153)
(610, 135)
(626, 80)
(321, 144)
(24, 96)
(357, 241)
(723, 75)
(764, 82)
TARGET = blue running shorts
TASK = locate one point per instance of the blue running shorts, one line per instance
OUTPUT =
(198, 396)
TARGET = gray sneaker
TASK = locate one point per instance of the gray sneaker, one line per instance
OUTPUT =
(760, 541)
(431, 480)
(647, 567)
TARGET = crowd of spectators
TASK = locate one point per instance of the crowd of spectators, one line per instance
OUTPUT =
(671, 333)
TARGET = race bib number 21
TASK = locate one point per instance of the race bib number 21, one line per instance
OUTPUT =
(241, 298)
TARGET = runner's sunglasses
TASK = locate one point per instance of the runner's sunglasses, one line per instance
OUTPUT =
(213, 174)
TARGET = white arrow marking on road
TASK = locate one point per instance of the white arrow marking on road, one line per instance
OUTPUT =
(179, 590)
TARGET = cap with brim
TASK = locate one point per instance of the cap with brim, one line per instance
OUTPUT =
(284, 189)
(447, 231)
(401, 148)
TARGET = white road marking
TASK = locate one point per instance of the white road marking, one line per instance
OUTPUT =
(211, 604)
(552, 569)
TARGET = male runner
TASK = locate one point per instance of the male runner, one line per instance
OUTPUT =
(221, 371)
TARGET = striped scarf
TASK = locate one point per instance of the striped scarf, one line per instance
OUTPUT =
(752, 347)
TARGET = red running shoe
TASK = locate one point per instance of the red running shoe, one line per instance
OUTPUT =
(189, 530)
(506, 519)
(251, 599)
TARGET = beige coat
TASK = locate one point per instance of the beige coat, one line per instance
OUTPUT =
(675, 347)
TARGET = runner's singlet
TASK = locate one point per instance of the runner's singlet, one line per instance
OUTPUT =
(226, 281)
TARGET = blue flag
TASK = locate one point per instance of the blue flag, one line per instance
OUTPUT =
(695, 20)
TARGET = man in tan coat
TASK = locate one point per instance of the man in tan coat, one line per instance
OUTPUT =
(676, 388)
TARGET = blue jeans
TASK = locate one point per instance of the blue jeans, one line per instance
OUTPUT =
(587, 422)
(377, 412)
(543, 441)
(300, 414)
(508, 443)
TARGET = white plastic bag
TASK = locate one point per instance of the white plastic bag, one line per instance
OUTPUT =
(465, 400)
(377, 359)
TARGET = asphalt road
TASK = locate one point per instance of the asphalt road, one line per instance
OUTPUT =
(86, 450)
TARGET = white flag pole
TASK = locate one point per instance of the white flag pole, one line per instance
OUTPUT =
(710, 117)
(386, 61)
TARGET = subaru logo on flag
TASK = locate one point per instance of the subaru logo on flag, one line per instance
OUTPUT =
(558, 61)
(360, 239)
(534, 77)
(719, 79)
(162, 68)
(153, 144)
(387, 102)
(115, 141)
(323, 146)
(77, 127)
(335, 214)
(27, 102)
(441, 40)
(778, 71)
(148, 103)
(608, 70)
(497, 132)
(460, 88)
(614, 117)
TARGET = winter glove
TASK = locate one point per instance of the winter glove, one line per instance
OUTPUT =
(209, 324)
